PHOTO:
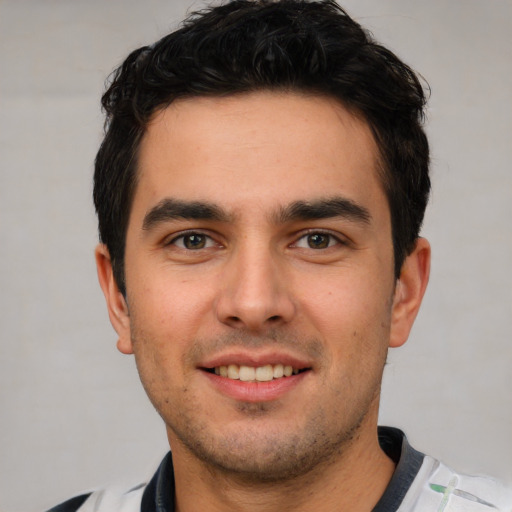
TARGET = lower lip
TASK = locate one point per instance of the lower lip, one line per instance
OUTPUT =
(255, 391)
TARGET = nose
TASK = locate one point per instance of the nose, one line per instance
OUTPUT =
(255, 293)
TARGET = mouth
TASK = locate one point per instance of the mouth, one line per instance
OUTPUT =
(265, 373)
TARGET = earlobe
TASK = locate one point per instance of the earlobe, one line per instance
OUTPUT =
(116, 303)
(409, 292)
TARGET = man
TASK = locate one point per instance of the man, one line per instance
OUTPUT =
(260, 191)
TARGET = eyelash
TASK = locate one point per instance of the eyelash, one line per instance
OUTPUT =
(332, 239)
(210, 242)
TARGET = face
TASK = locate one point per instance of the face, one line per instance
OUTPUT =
(259, 271)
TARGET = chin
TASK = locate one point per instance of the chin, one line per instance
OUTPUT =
(262, 454)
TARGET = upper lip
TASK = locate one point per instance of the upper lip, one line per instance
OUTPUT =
(254, 360)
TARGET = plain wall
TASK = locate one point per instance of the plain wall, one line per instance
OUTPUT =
(72, 412)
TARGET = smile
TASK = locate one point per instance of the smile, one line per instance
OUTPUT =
(256, 380)
(264, 373)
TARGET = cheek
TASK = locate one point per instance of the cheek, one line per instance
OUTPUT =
(351, 313)
(345, 298)
(169, 305)
(165, 319)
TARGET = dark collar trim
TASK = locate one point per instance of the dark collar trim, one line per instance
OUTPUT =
(159, 493)
(408, 463)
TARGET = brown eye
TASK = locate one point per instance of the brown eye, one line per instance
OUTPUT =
(193, 241)
(318, 241)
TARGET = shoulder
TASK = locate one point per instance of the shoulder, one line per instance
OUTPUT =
(105, 500)
(146, 497)
(71, 505)
(438, 487)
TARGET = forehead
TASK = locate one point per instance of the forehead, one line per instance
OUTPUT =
(256, 150)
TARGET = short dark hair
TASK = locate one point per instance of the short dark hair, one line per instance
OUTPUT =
(250, 45)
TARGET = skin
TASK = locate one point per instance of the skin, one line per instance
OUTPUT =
(254, 282)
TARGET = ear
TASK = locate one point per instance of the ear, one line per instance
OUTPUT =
(409, 292)
(116, 303)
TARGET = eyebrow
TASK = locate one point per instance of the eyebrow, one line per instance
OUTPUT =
(324, 209)
(173, 209)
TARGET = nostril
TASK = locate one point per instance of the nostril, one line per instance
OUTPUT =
(274, 318)
(234, 321)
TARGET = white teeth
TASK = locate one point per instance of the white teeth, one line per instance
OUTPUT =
(260, 374)
(247, 373)
(278, 371)
(264, 373)
(233, 371)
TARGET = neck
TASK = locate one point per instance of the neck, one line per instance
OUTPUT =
(354, 480)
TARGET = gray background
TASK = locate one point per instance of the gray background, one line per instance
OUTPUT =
(72, 412)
